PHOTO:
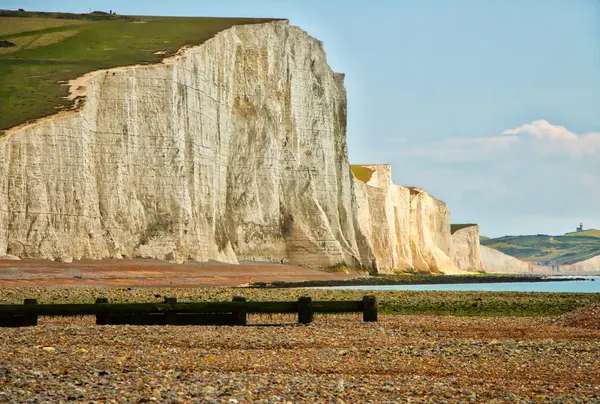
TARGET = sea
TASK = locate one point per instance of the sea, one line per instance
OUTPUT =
(590, 284)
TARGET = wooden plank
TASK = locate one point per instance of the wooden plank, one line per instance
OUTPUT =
(23, 320)
(136, 319)
(241, 315)
(205, 319)
(119, 308)
(369, 308)
(305, 312)
(339, 306)
(30, 319)
(169, 318)
(271, 307)
(101, 319)
(174, 319)
(197, 307)
(11, 321)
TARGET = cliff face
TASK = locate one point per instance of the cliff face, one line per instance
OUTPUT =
(495, 261)
(233, 149)
(406, 227)
(592, 264)
(466, 252)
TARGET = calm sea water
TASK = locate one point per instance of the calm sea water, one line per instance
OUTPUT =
(591, 285)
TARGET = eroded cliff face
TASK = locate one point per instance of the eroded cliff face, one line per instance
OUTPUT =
(234, 149)
(406, 227)
(466, 252)
(495, 261)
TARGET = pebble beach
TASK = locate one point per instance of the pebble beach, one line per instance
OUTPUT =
(337, 358)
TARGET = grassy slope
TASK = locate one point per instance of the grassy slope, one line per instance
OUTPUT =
(566, 249)
(456, 227)
(29, 88)
(362, 173)
(585, 233)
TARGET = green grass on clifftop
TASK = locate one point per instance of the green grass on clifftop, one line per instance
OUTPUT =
(585, 233)
(362, 173)
(563, 250)
(456, 227)
(54, 47)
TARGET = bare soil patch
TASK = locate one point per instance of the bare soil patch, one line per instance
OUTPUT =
(152, 273)
(585, 317)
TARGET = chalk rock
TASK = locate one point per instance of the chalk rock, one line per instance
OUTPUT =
(466, 252)
(405, 227)
(592, 264)
(495, 261)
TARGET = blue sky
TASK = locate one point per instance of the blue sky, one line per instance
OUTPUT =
(492, 106)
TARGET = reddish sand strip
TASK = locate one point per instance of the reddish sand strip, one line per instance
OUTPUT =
(112, 272)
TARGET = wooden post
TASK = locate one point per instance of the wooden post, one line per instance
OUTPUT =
(30, 319)
(369, 308)
(101, 319)
(170, 318)
(305, 312)
(241, 314)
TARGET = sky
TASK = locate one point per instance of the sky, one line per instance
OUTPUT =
(491, 106)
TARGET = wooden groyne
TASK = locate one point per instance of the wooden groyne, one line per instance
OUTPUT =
(172, 312)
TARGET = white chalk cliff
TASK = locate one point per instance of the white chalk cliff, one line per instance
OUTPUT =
(495, 261)
(234, 149)
(592, 264)
(406, 227)
(466, 251)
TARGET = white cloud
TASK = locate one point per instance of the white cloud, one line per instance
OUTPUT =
(542, 129)
(557, 140)
(538, 137)
(462, 150)
(508, 176)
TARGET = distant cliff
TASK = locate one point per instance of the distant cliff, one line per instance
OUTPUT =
(592, 264)
(405, 227)
(495, 261)
(234, 149)
(466, 251)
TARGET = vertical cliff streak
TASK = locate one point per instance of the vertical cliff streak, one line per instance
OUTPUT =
(231, 150)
